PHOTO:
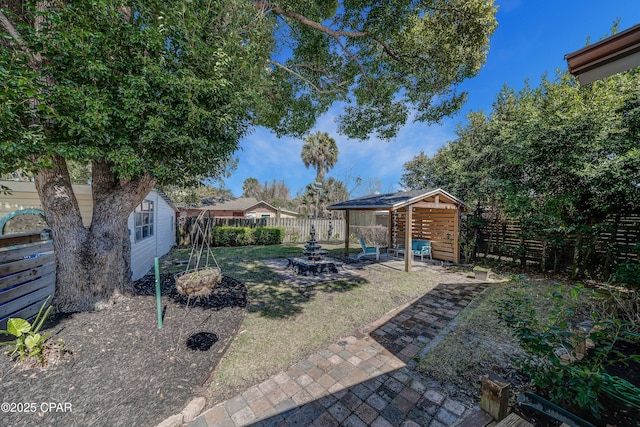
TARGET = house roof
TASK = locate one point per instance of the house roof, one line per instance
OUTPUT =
(614, 54)
(241, 204)
(391, 201)
(262, 202)
(289, 212)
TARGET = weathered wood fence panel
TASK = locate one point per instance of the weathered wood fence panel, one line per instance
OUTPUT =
(297, 230)
(27, 274)
(505, 239)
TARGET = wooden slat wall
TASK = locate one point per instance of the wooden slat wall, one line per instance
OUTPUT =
(436, 225)
(626, 237)
(504, 238)
(27, 275)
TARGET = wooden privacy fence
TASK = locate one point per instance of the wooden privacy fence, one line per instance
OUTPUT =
(27, 274)
(297, 230)
(617, 240)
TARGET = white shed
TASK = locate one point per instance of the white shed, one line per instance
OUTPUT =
(152, 229)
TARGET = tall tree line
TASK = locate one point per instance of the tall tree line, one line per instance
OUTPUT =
(562, 160)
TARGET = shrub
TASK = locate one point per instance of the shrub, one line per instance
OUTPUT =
(243, 236)
(28, 342)
(551, 343)
(268, 235)
(627, 274)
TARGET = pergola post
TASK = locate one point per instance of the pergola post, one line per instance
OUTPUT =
(390, 231)
(456, 237)
(346, 233)
(408, 233)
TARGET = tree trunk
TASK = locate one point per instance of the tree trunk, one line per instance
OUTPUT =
(576, 256)
(94, 264)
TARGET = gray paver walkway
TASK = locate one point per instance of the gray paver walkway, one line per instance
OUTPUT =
(366, 380)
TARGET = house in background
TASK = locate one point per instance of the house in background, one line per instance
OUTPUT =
(152, 225)
(244, 207)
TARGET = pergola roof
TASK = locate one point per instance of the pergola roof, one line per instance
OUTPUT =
(392, 201)
(614, 54)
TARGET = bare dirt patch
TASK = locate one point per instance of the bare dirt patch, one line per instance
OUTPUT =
(125, 371)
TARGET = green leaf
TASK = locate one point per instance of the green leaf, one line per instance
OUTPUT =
(17, 327)
(32, 341)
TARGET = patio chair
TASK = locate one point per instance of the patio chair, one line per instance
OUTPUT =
(369, 250)
(421, 248)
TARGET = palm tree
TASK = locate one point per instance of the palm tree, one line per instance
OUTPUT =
(321, 151)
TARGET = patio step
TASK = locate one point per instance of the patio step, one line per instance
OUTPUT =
(514, 420)
(479, 418)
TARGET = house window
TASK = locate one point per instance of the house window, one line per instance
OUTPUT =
(143, 220)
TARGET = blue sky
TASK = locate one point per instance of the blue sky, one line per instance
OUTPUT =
(532, 38)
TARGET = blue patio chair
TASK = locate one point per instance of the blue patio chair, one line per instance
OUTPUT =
(421, 248)
(368, 250)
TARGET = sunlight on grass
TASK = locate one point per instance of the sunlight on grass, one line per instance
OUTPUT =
(278, 335)
(285, 323)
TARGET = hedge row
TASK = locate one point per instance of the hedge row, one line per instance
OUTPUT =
(243, 236)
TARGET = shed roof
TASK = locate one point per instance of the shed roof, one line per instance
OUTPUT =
(391, 201)
(168, 200)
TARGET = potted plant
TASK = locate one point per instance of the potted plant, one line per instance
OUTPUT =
(481, 273)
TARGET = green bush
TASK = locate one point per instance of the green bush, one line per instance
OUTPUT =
(551, 341)
(243, 236)
(627, 274)
(268, 235)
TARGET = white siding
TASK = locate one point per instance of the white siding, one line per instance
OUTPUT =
(24, 196)
(163, 239)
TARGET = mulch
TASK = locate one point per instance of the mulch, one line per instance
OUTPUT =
(123, 370)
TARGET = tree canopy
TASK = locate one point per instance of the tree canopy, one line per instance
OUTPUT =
(155, 92)
(139, 84)
(560, 159)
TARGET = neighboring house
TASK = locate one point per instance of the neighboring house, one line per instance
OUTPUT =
(244, 207)
(615, 54)
(151, 225)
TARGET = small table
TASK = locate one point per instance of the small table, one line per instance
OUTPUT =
(397, 252)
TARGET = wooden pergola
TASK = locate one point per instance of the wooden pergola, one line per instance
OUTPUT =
(432, 215)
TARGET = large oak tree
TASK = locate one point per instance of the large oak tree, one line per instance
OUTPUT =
(161, 92)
